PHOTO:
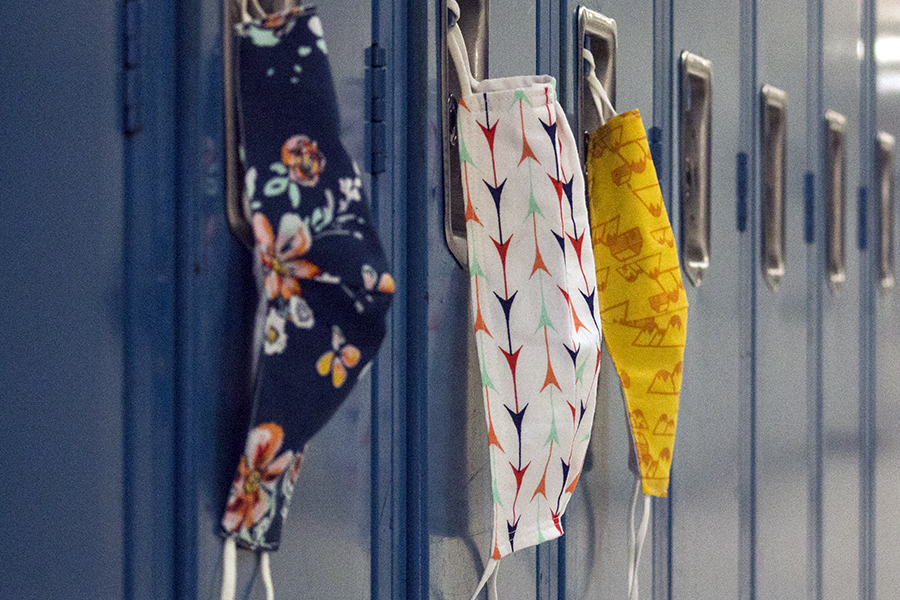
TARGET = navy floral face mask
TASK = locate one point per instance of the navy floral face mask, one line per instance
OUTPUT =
(322, 274)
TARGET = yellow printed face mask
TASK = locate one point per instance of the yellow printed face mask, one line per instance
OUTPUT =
(642, 303)
(643, 306)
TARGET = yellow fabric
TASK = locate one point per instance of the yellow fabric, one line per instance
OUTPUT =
(643, 307)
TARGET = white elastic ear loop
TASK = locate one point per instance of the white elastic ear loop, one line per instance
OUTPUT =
(489, 570)
(492, 590)
(636, 539)
(265, 569)
(641, 536)
(601, 99)
(245, 11)
(229, 570)
(457, 46)
(632, 534)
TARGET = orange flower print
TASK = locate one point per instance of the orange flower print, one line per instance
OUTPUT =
(295, 468)
(258, 472)
(341, 357)
(385, 283)
(280, 256)
(303, 159)
(281, 23)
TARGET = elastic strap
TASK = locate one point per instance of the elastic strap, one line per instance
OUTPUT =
(489, 571)
(636, 538)
(602, 103)
(229, 570)
(457, 46)
(245, 10)
(265, 569)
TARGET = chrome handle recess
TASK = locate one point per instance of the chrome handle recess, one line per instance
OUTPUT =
(473, 22)
(237, 206)
(773, 172)
(835, 196)
(884, 156)
(696, 164)
(597, 33)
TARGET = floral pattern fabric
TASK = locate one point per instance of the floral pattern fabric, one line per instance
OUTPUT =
(533, 301)
(323, 279)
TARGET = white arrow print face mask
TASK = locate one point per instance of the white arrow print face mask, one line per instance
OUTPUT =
(533, 294)
(533, 299)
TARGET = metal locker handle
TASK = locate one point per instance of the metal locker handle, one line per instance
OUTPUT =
(237, 207)
(473, 22)
(597, 33)
(696, 164)
(835, 196)
(773, 167)
(884, 154)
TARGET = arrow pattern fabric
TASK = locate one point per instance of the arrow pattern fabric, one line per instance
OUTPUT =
(533, 301)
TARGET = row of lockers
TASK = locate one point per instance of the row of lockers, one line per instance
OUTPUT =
(124, 382)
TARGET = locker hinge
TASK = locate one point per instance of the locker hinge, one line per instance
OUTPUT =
(132, 118)
(376, 133)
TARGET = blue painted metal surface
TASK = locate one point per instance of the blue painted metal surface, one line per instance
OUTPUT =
(62, 359)
(781, 466)
(709, 489)
(840, 524)
(595, 543)
(884, 416)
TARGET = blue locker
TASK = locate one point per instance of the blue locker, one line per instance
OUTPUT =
(63, 361)
(886, 323)
(595, 543)
(709, 490)
(840, 395)
(785, 360)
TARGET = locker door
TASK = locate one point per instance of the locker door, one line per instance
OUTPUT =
(708, 499)
(782, 360)
(596, 520)
(459, 520)
(62, 356)
(887, 326)
(840, 319)
(326, 543)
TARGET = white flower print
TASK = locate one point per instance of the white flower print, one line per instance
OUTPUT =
(275, 337)
(300, 313)
(350, 188)
(250, 183)
(315, 25)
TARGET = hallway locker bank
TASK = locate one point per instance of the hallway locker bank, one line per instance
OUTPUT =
(128, 307)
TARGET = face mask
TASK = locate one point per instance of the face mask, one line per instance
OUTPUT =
(324, 288)
(643, 306)
(533, 298)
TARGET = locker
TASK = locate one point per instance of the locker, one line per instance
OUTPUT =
(840, 306)
(595, 543)
(886, 319)
(785, 358)
(709, 487)
(124, 384)
(62, 362)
